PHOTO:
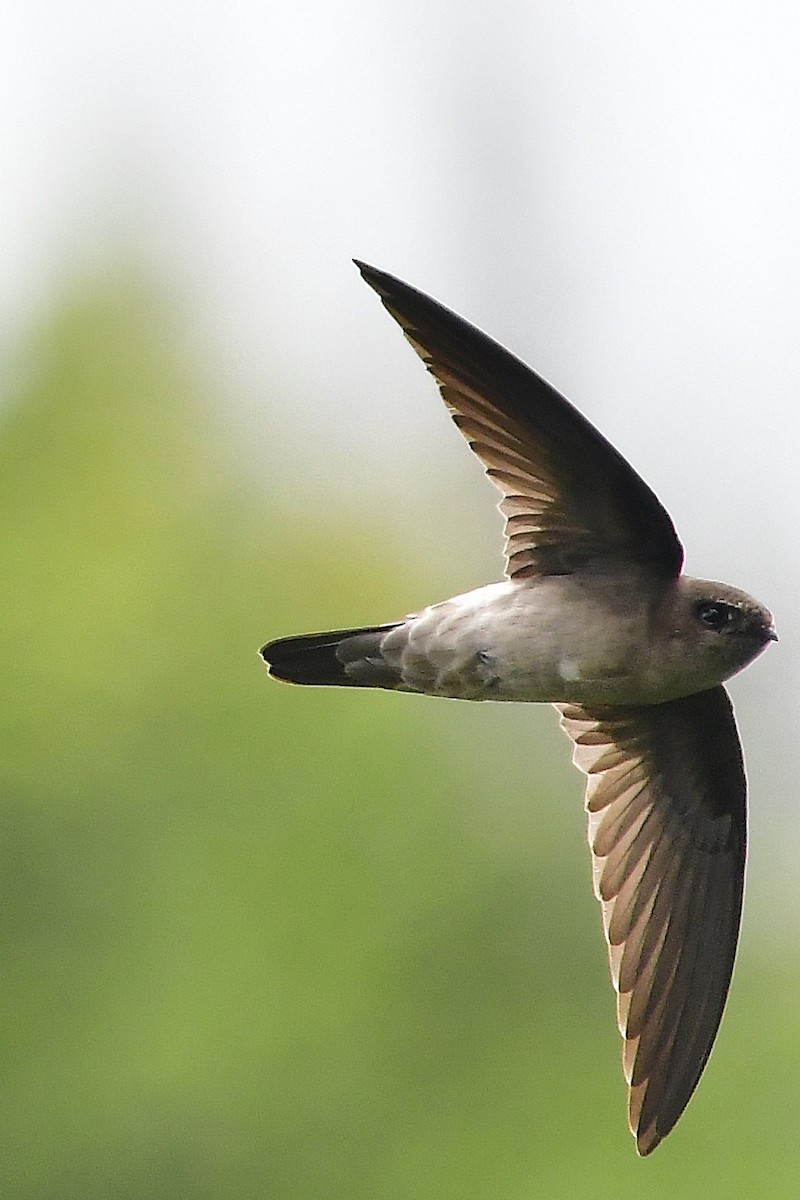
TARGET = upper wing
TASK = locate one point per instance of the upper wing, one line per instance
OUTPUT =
(569, 498)
(666, 797)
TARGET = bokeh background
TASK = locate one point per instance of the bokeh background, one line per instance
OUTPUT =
(270, 942)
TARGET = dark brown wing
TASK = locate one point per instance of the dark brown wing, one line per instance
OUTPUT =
(569, 498)
(666, 796)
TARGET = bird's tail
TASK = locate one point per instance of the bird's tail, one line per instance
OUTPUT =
(341, 658)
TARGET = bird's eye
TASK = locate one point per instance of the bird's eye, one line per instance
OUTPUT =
(716, 615)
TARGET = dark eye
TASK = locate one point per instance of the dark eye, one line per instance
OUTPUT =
(716, 615)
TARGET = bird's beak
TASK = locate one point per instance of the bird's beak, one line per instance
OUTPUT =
(770, 634)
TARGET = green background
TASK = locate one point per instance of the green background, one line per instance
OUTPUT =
(271, 942)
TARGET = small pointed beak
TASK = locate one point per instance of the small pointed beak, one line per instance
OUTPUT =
(770, 634)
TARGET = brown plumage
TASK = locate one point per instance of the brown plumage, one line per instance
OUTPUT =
(595, 616)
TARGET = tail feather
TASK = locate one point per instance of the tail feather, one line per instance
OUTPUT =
(340, 658)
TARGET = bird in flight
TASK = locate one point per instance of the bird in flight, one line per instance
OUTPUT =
(594, 616)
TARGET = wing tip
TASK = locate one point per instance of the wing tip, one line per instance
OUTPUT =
(376, 278)
(646, 1140)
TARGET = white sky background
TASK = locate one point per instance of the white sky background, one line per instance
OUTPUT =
(611, 189)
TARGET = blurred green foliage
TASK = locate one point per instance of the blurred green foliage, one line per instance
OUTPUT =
(270, 942)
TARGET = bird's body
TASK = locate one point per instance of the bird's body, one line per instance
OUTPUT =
(558, 638)
(595, 616)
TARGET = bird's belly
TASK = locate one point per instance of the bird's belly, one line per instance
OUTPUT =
(503, 642)
(541, 665)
